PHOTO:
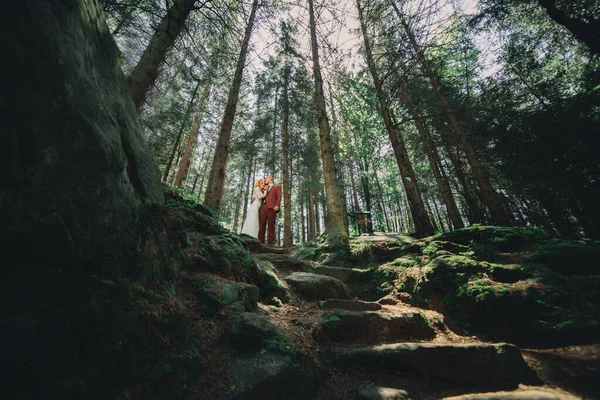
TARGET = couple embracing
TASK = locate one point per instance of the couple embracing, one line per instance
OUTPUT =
(266, 203)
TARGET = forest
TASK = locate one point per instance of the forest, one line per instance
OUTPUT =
(436, 165)
(430, 115)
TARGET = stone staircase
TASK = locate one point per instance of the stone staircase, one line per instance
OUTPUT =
(386, 351)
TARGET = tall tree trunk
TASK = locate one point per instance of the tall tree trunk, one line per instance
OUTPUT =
(430, 211)
(205, 166)
(199, 170)
(273, 153)
(249, 187)
(317, 213)
(475, 213)
(145, 72)
(188, 111)
(488, 193)
(193, 136)
(423, 130)
(216, 180)
(312, 227)
(287, 188)
(339, 165)
(366, 185)
(383, 208)
(421, 220)
(587, 32)
(335, 227)
(238, 206)
(302, 225)
(351, 173)
(439, 215)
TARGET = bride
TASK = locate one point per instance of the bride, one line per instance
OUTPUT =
(250, 227)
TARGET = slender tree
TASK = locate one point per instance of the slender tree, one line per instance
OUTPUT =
(335, 227)
(192, 137)
(214, 190)
(488, 193)
(424, 135)
(287, 189)
(145, 72)
(423, 226)
(177, 142)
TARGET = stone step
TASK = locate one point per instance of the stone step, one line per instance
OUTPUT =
(375, 392)
(268, 248)
(350, 305)
(374, 326)
(257, 247)
(292, 264)
(476, 364)
(524, 394)
(346, 275)
(317, 287)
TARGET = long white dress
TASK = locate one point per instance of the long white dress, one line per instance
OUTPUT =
(250, 226)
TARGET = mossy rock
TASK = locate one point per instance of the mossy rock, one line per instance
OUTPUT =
(307, 252)
(569, 257)
(250, 331)
(437, 246)
(270, 284)
(214, 293)
(449, 270)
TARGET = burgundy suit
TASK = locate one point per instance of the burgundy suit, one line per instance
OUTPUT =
(267, 214)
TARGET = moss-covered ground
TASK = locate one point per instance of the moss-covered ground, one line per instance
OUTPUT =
(516, 284)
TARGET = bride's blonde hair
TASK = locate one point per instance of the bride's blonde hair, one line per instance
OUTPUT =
(258, 182)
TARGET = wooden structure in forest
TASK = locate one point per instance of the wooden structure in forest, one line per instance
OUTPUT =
(364, 222)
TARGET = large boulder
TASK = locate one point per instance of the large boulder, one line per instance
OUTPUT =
(317, 287)
(78, 174)
(77, 186)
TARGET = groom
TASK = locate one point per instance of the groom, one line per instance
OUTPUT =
(268, 210)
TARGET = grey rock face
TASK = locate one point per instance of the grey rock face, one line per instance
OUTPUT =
(77, 173)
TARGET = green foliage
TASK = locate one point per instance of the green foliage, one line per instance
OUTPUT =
(362, 248)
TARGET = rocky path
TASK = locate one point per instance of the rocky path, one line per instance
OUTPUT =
(387, 349)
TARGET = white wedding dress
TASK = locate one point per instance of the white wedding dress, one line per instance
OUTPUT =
(250, 227)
